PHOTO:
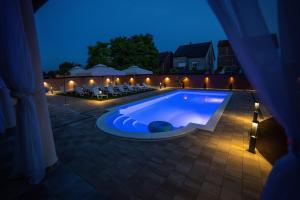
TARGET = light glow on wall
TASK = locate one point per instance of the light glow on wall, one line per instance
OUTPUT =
(131, 80)
(91, 81)
(206, 79)
(231, 79)
(167, 79)
(71, 82)
(107, 80)
(147, 80)
(45, 84)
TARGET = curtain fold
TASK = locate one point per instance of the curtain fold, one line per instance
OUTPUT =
(17, 72)
(7, 113)
(274, 71)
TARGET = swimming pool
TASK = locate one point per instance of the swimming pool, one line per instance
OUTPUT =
(185, 110)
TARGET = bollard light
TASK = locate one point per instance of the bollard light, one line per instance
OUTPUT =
(256, 106)
(255, 116)
(253, 137)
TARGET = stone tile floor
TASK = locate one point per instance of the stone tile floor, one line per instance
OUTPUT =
(201, 165)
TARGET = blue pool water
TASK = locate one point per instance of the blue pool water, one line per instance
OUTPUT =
(180, 108)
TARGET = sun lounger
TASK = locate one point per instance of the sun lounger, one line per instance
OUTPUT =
(121, 89)
(98, 93)
(79, 91)
(148, 86)
(130, 88)
(112, 91)
(143, 88)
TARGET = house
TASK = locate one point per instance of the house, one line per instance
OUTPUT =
(165, 60)
(227, 61)
(198, 56)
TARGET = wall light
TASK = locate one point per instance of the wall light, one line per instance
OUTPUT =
(91, 81)
(131, 79)
(167, 79)
(148, 80)
(206, 79)
(231, 80)
(107, 80)
(71, 82)
(45, 84)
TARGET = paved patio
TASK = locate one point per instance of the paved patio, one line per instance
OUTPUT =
(201, 165)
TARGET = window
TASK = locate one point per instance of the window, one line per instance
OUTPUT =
(195, 65)
(181, 64)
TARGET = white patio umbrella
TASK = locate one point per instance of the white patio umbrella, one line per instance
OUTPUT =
(135, 70)
(102, 70)
(100, 65)
(77, 71)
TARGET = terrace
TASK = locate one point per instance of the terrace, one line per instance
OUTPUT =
(201, 165)
(185, 133)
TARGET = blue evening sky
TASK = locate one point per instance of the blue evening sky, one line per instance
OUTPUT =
(67, 27)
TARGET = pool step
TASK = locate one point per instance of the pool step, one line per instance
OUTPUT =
(118, 122)
(141, 127)
(129, 124)
(119, 118)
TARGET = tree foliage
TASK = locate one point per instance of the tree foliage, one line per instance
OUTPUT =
(99, 53)
(64, 67)
(123, 52)
(52, 73)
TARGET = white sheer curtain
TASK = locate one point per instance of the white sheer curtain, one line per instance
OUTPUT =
(50, 157)
(273, 71)
(17, 72)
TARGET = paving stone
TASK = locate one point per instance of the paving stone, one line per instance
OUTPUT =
(208, 191)
(201, 165)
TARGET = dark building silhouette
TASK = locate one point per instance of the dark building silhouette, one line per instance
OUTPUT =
(227, 61)
(198, 56)
(165, 62)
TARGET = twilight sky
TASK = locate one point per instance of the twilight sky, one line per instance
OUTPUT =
(67, 27)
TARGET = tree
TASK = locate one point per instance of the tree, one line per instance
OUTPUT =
(64, 67)
(136, 50)
(99, 53)
(52, 73)
(122, 52)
